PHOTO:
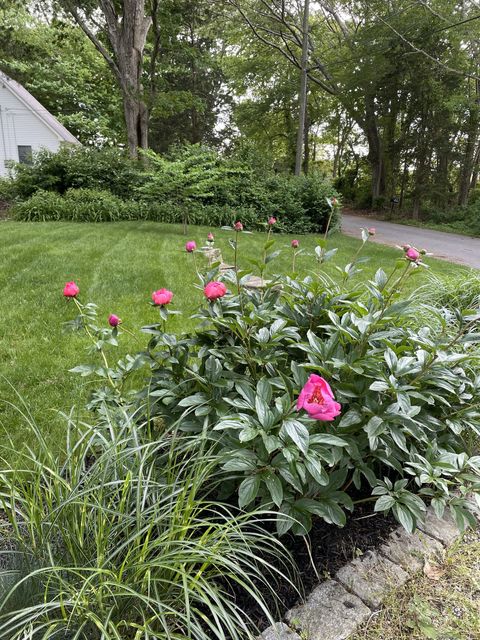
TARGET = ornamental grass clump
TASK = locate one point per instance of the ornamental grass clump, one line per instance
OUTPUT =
(318, 394)
(122, 539)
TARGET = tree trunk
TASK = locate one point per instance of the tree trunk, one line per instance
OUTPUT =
(469, 154)
(303, 91)
(476, 168)
(127, 34)
(375, 154)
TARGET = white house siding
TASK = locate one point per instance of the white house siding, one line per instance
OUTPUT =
(23, 124)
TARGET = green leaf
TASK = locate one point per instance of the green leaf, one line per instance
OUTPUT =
(379, 385)
(298, 432)
(315, 469)
(384, 503)
(404, 516)
(248, 490)
(275, 487)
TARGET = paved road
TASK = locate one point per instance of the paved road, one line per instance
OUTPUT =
(447, 246)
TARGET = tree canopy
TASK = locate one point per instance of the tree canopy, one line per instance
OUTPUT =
(393, 88)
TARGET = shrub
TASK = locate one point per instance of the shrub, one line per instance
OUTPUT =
(121, 540)
(78, 205)
(75, 166)
(193, 184)
(409, 395)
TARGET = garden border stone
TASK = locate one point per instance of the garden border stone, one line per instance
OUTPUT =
(337, 607)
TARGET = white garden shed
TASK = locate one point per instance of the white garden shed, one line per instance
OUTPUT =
(25, 125)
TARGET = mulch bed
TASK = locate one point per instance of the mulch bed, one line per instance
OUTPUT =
(331, 548)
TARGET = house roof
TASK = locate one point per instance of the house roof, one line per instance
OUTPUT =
(32, 103)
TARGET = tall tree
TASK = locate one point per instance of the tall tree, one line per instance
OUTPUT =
(126, 26)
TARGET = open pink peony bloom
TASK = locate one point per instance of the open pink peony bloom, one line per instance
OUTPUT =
(412, 254)
(238, 226)
(272, 221)
(372, 231)
(162, 297)
(214, 290)
(71, 290)
(114, 320)
(295, 244)
(317, 399)
(190, 246)
(210, 237)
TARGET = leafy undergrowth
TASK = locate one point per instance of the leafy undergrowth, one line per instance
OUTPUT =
(442, 604)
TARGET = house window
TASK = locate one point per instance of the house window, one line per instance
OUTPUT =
(24, 153)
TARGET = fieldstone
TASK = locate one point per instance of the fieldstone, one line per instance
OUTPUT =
(443, 529)
(330, 613)
(212, 255)
(279, 631)
(255, 282)
(474, 505)
(371, 577)
(410, 550)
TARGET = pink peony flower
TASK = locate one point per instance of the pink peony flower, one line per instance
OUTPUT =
(372, 231)
(295, 244)
(317, 399)
(71, 290)
(190, 246)
(238, 226)
(215, 290)
(162, 297)
(210, 237)
(272, 221)
(412, 254)
(114, 320)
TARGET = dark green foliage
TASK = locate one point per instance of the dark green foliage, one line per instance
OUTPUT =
(193, 184)
(75, 166)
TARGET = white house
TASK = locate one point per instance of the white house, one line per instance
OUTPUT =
(25, 125)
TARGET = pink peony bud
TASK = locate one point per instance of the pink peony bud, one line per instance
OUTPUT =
(238, 226)
(190, 246)
(114, 320)
(372, 231)
(334, 202)
(317, 399)
(71, 290)
(272, 221)
(210, 237)
(295, 243)
(215, 290)
(412, 254)
(162, 297)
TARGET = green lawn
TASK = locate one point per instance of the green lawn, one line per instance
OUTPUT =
(117, 266)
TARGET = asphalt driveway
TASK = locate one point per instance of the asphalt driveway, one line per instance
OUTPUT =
(446, 246)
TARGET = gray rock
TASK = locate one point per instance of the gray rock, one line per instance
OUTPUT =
(279, 631)
(330, 613)
(410, 550)
(371, 577)
(212, 255)
(444, 530)
(474, 505)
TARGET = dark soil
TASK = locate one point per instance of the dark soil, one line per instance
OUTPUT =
(331, 548)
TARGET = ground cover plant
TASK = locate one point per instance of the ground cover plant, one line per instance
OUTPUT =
(118, 266)
(120, 539)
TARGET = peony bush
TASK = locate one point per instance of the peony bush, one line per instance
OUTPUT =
(316, 394)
